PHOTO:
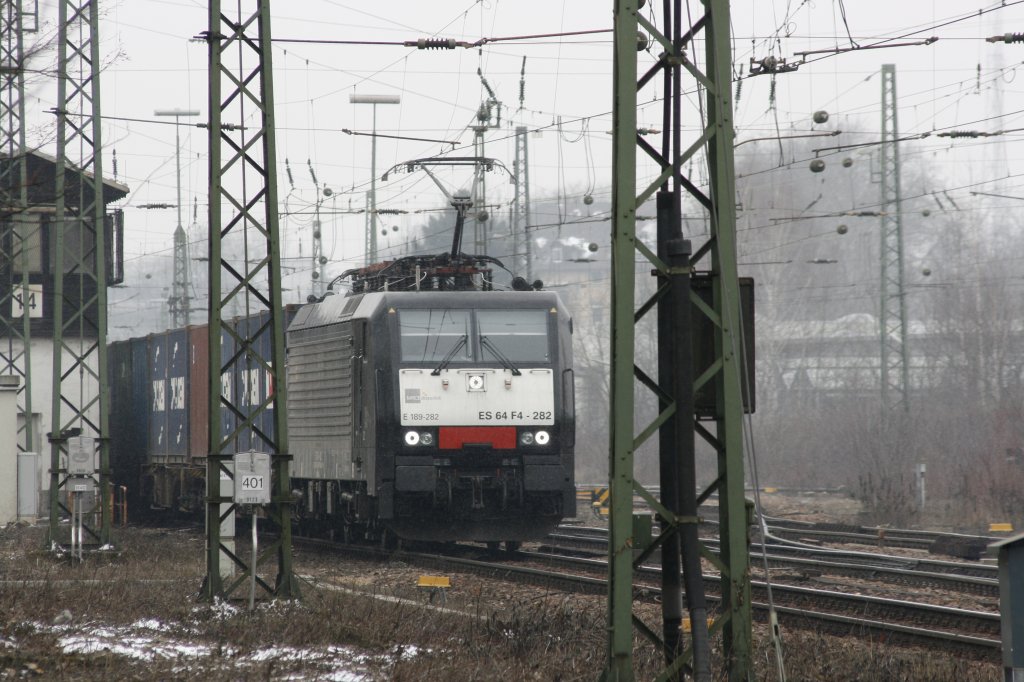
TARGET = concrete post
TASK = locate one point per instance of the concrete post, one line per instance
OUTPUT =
(1011, 604)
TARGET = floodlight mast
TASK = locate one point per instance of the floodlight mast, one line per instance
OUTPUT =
(371, 203)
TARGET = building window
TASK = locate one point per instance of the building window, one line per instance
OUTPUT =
(26, 246)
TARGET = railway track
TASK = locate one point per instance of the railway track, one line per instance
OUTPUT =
(906, 612)
(980, 580)
(904, 574)
(973, 634)
(962, 545)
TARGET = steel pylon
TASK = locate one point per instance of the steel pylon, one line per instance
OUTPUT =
(244, 218)
(892, 317)
(181, 284)
(716, 259)
(80, 396)
(19, 301)
(523, 247)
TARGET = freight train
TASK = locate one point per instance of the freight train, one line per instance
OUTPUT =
(422, 405)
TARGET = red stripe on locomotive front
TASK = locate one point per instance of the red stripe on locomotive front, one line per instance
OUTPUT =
(456, 437)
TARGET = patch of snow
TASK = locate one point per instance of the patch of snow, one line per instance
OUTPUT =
(221, 609)
(139, 648)
(335, 663)
(150, 624)
(278, 654)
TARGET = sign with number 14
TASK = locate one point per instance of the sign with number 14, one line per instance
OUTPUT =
(27, 298)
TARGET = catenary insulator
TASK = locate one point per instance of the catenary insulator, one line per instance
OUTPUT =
(433, 43)
(962, 133)
(1007, 38)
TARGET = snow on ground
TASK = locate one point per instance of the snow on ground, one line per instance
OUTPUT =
(151, 640)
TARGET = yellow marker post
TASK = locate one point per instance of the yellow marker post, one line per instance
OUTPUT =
(687, 626)
(437, 584)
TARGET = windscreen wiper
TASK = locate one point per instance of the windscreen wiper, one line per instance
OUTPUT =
(451, 354)
(506, 363)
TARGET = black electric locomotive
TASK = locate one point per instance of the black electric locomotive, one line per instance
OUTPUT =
(422, 405)
(444, 415)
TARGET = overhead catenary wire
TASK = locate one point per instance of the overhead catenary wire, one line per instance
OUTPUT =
(793, 3)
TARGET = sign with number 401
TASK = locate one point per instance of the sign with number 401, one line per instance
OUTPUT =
(252, 477)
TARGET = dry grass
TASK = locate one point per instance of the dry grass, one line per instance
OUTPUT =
(133, 616)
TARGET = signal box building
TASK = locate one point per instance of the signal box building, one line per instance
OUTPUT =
(37, 228)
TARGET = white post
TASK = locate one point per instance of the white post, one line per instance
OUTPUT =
(921, 468)
(9, 448)
(227, 526)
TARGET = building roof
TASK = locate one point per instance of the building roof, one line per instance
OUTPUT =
(42, 179)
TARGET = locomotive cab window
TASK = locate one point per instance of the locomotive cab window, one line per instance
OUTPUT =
(519, 335)
(429, 335)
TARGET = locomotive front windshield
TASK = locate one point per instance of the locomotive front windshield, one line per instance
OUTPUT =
(519, 335)
(430, 335)
(434, 334)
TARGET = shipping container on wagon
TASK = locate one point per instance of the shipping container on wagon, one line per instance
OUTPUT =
(140, 397)
(125, 448)
(245, 382)
(265, 422)
(267, 387)
(177, 389)
(156, 446)
(199, 391)
(252, 384)
(227, 417)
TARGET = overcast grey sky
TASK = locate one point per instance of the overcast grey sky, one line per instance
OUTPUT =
(960, 81)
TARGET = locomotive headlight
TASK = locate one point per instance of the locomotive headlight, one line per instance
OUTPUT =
(543, 438)
(526, 438)
(412, 438)
(427, 438)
